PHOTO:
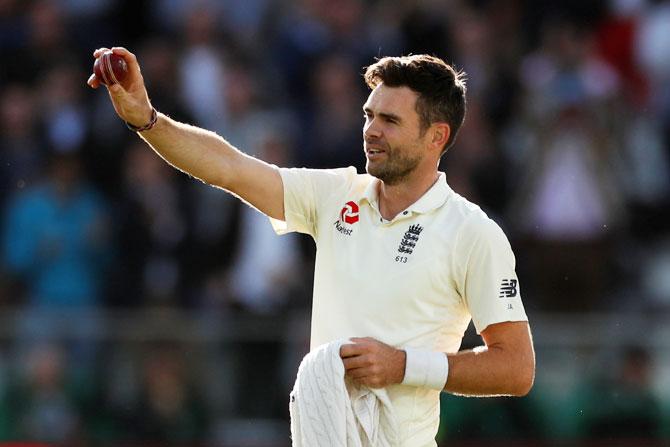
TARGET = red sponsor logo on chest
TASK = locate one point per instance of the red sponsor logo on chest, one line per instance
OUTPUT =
(349, 213)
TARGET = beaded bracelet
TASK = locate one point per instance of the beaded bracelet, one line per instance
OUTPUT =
(152, 123)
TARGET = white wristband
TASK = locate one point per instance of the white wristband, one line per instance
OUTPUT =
(428, 369)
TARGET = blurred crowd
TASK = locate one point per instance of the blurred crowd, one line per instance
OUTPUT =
(566, 145)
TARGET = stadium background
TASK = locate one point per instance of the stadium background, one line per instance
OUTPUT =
(139, 307)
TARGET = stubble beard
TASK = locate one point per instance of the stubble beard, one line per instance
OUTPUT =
(397, 167)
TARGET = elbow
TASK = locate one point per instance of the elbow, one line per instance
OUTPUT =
(524, 386)
(525, 379)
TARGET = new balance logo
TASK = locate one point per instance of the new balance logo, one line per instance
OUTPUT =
(508, 288)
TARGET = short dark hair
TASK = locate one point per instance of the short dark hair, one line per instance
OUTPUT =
(440, 87)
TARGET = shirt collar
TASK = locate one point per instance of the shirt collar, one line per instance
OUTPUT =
(371, 192)
(432, 199)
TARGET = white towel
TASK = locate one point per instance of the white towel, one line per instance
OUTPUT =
(328, 410)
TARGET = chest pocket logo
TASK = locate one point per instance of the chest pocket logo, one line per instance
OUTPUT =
(410, 239)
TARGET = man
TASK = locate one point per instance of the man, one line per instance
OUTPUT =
(403, 263)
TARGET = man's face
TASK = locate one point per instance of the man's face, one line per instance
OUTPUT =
(392, 136)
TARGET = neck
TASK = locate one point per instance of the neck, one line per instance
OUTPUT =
(393, 199)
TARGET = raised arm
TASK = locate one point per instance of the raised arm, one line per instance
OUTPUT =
(198, 152)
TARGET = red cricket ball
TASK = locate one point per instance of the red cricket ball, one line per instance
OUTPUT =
(110, 68)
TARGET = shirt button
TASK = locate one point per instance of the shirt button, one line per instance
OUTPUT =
(405, 213)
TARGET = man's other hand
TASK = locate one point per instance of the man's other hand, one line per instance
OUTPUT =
(372, 363)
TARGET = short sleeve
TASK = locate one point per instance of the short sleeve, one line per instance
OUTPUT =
(491, 288)
(306, 191)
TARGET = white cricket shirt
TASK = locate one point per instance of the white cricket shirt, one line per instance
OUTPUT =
(414, 281)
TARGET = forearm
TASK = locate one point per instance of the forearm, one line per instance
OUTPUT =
(505, 366)
(490, 371)
(208, 157)
(195, 151)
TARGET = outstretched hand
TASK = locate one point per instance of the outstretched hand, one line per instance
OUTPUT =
(130, 98)
(372, 363)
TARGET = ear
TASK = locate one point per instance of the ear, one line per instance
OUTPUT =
(440, 134)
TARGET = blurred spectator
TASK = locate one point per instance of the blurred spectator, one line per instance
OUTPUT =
(248, 112)
(89, 16)
(48, 42)
(202, 67)
(474, 152)
(57, 238)
(213, 214)
(160, 70)
(474, 45)
(311, 29)
(487, 45)
(263, 274)
(616, 38)
(45, 404)
(653, 47)
(152, 230)
(568, 217)
(644, 170)
(569, 201)
(247, 23)
(20, 142)
(631, 39)
(57, 243)
(333, 120)
(63, 110)
(21, 165)
(169, 412)
(264, 281)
